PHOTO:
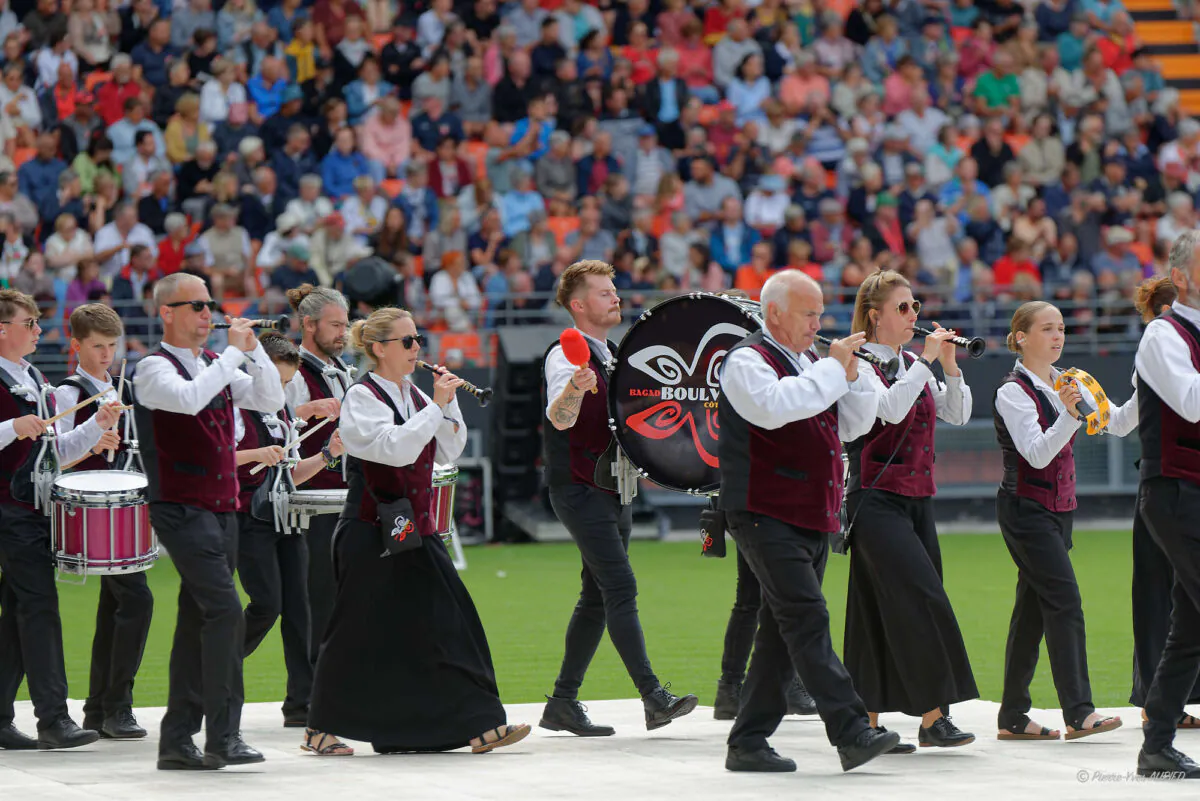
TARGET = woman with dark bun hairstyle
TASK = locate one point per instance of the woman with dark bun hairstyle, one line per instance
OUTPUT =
(404, 663)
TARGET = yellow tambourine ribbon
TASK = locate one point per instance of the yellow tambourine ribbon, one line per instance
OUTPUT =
(1097, 421)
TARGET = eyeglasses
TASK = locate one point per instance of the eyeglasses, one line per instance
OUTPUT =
(31, 323)
(407, 341)
(903, 307)
(197, 305)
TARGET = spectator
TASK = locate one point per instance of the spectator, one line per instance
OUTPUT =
(1062, 263)
(234, 23)
(732, 240)
(616, 205)
(222, 92)
(883, 229)
(706, 193)
(295, 271)
(131, 282)
(29, 274)
(156, 204)
(38, 177)
(84, 285)
(197, 15)
(154, 55)
(749, 90)
(364, 210)
(21, 109)
(15, 203)
(364, 94)
(386, 138)
(752, 275)
(1036, 228)
(766, 205)
(345, 163)
(67, 199)
(68, 246)
(179, 83)
(517, 205)
(266, 89)
(196, 177)
(1116, 260)
(309, 207)
(1181, 217)
(113, 241)
(123, 133)
(391, 240)
(453, 293)
(590, 241)
(333, 249)
(933, 237)
(348, 54)
(274, 248)
(170, 249)
(227, 254)
(1011, 198)
(202, 54)
(432, 125)
(418, 203)
(696, 63)
(471, 98)
(731, 52)
(135, 173)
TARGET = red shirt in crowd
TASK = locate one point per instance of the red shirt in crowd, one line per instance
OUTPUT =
(1007, 268)
(111, 97)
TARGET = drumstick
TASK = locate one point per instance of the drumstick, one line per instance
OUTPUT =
(112, 452)
(77, 407)
(263, 466)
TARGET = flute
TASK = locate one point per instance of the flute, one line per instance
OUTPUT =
(484, 395)
(283, 322)
(975, 347)
(889, 366)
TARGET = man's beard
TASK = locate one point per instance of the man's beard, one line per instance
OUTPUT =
(331, 349)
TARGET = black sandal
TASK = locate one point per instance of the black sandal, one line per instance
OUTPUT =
(1018, 731)
(1099, 727)
(324, 744)
(505, 735)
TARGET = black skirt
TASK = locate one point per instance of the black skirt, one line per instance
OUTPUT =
(1153, 578)
(404, 663)
(903, 647)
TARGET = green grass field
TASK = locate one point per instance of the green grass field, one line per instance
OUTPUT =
(525, 594)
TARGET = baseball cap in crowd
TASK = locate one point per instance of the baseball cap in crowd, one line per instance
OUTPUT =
(895, 133)
(968, 121)
(772, 183)
(794, 212)
(292, 93)
(286, 222)
(1118, 235)
(193, 249)
(857, 145)
(647, 130)
(913, 168)
(885, 199)
(298, 251)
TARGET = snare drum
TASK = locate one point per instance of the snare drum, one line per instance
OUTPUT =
(441, 502)
(303, 504)
(663, 392)
(100, 523)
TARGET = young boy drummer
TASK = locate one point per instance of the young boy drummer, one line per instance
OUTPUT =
(126, 604)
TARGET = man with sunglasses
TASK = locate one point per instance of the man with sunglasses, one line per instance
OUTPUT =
(31, 644)
(184, 406)
(317, 391)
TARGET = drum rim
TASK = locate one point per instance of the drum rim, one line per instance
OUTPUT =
(743, 305)
(102, 474)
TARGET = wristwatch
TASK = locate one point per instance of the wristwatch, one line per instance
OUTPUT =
(925, 362)
(330, 459)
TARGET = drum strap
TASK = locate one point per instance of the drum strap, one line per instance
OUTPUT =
(338, 370)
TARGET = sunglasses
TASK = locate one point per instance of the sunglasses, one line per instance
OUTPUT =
(408, 341)
(903, 307)
(31, 323)
(197, 305)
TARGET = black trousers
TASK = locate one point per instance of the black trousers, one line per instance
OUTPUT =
(322, 587)
(1047, 603)
(743, 623)
(1171, 508)
(1153, 579)
(793, 631)
(123, 617)
(30, 628)
(601, 526)
(903, 646)
(205, 674)
(273, 569)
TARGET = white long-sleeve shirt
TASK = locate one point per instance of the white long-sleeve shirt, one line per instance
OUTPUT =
(763, 399)
(74, 443)
(336, 380)
(559, 370)
(369, 430)
(953, 399)
(159, 386)
(1020, 415)
(1123, 419)
(1164, 362)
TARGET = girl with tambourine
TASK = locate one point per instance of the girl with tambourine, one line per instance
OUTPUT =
(1035, 427)
(1153, 575)
(895, 594)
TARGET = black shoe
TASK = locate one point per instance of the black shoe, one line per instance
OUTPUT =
(662, 707)
(295, 720)
(901, 748)
(943, 734)
(764, 760)
(184, 757)
(868, 745)
(122, 726)
(799, 702)
(235, 752)
(1167, 764)
(93, 723)
(567, 714)
(13, 740)
(65, 734)
(729, 697)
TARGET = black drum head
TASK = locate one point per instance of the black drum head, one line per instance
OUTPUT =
(663, 393)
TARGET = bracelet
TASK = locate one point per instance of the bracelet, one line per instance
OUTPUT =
(574, 385)
(330, 459)
(925, 362)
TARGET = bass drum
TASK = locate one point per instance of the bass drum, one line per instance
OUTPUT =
(663, 391)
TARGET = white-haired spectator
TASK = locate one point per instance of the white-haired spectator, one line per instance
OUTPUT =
(222, 92)
(386, 138)
(66, 247)
(21, 110)
(333, 248)
(310, 208)
(227, 253)
(113, 241)
(767, 204)
(1180, 217)
(732, 50)
(364, 210)
(287, 233)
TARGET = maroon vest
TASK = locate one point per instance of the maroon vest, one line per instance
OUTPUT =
(1170, 444)
(371, 482)
(257, 436)
(570, 456)
(907, 444)
(87, 388)
(327, 477)
(1053, 486)
(17, 460)
(189, 459)
(792, 473)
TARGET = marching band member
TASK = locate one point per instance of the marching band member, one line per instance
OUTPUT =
(780, 406)
(126, 604)
(405, 663)
(903, 646)
(1153, 576)
(273, 566)
(317, 391)
(31, 644)
(184, 403)
(1168, 371)
(576, 437)
(1035, 427)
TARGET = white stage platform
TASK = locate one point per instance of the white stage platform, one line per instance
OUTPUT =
(682, 761)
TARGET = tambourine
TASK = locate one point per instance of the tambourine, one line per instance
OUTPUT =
(1097, 419)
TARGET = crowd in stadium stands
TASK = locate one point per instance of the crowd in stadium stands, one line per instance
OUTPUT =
(988, 149)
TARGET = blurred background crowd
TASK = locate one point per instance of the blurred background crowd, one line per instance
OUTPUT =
(454, 156)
